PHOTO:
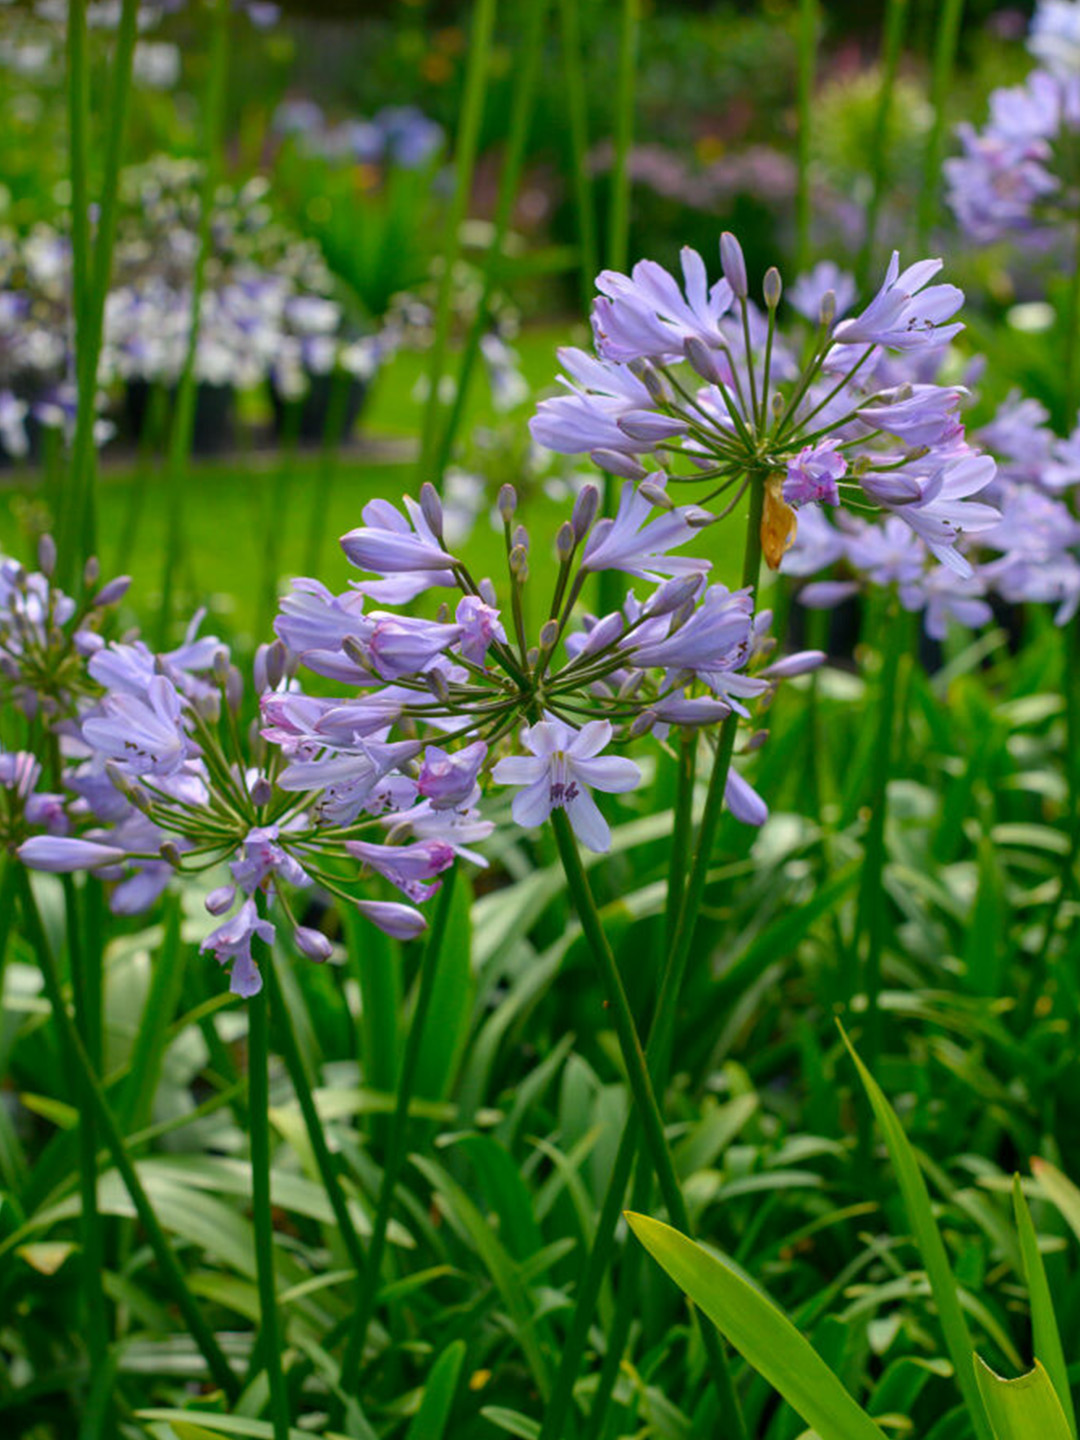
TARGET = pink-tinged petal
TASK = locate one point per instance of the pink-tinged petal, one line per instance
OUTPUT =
(589, 825)
(532, 806)
(611, 773)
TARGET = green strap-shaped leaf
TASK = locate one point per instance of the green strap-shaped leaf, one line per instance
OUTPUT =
(429, 1422)
(931, 1246)
(1024, 1409)
(759, 1331)
(1059, 1189)
(1044, 1328)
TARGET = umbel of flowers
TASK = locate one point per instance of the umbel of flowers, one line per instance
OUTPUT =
(698, 381)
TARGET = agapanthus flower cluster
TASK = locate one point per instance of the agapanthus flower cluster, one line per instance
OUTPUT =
(694, 379)
(482, 692)
(168, 782)
(1017, 177)
(46, 636)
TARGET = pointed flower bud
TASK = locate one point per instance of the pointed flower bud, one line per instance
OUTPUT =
(262, 792)
(565, 541)
(773, 287)
(703, 359)
(431, 507)
(312, 943)
(221, 899)
(46, 555)
(656, 495)
(91, 572)
(507, 503)
(519, 564)
(614, 462)
(170, 853)
(585, 508)
(549, 635)
(827, 313)
(112, 593)
(731, 258)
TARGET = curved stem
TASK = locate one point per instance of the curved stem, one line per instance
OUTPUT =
(72, 1045)
(399, 1135)
(641, 1086)
(259, 1106)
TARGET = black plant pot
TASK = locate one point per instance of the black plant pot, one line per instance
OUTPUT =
(214, 427)
(315, 408)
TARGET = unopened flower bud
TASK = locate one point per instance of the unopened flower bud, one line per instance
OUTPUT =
(112, 593)
(565, 541)
(772, 287)
(673, 594)
(91, 572)
(436, 683)
(220, 665)
(616, 463)
(119, 780)
(734, 266)
(234, 689)
(757, 740)
(827, 313)
(442, 615)
(487, 592)
(431, 508)
(354, 649)
(312, 943)
(777, 404)
(221, 899)
(532, 657)
(140, 798)
(507, 503)
(276, 657)
(697, 518)
(643, 723)
(658, 386)
(46, 555)
(261, 790)
(519, 564)
(656, 495)
(631, 685)
(521, 537)
(549, 635)
(585, 508)
(170, 853)
(702, 358)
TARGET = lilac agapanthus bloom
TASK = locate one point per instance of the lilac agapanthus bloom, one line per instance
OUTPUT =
(564, 765)
(730, 404)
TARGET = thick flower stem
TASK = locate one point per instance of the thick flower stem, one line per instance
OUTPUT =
(685, 906)
(294, 1063)
(398, 1144)
(73, 1047)
(259, 1105)
(641, 1088)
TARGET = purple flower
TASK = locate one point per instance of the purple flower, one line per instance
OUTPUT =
(145, 736)
(943, 512)
(346, 777)
(818, 544)
(232, 941)
(587, 418)
(813, 473)
(448, 779)
(563, 765)
(638, 538)
(905, 314)
(260, 857)
(312, 943)
(61, 854)
(314, 623)
(401, 645)
(926, 416)
(480, 627)
(408, 867)
(645, 315)
(409, 554)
